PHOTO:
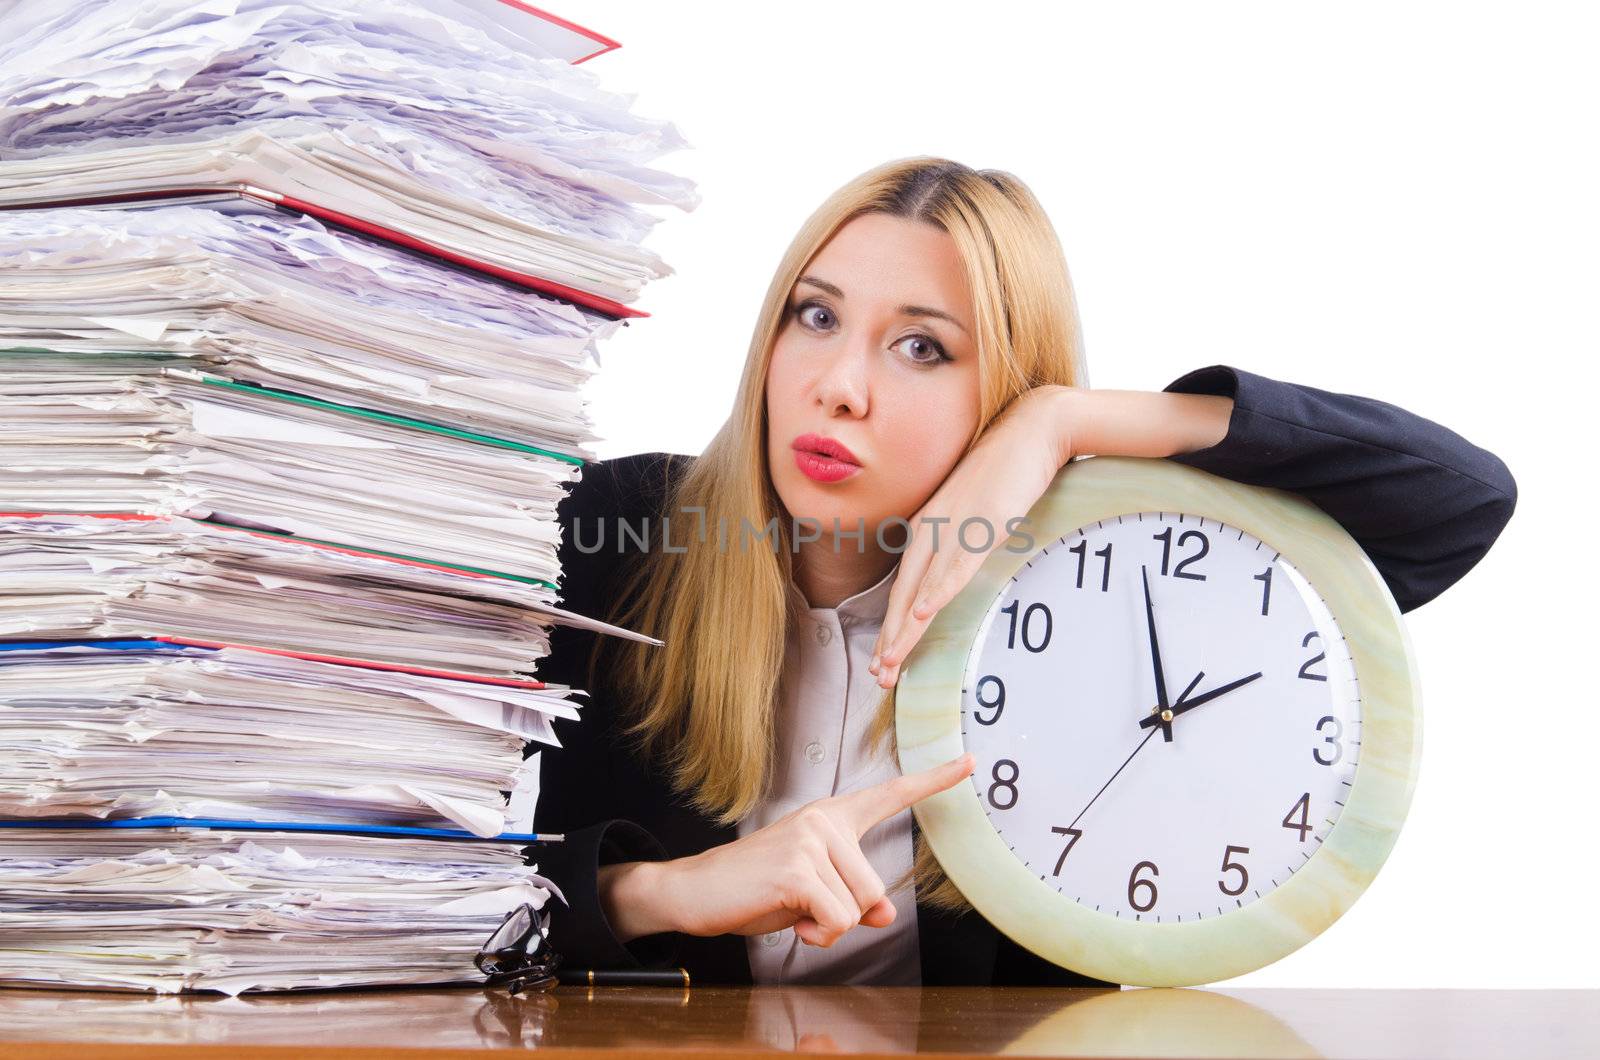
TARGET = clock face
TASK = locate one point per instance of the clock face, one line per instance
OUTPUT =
(1264, 709)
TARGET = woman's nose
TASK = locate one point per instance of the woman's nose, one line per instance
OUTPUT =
(843, 387)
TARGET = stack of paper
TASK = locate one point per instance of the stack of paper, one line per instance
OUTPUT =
(263, 297)
(135, 575)
(228, 910)
(147, 728)
(130, 433)
(297, 302)
(400, 116)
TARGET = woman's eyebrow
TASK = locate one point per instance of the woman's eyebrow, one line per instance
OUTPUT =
(907, 310)
(924, 311)
(824, 284)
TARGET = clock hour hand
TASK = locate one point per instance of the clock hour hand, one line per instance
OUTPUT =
(1204, 697)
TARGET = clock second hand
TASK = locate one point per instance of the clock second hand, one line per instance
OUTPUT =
(1136, 750)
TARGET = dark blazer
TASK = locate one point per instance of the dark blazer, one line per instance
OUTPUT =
(1424, 503)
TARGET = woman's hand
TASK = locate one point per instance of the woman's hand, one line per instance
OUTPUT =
(805, 869)
(1007, 469)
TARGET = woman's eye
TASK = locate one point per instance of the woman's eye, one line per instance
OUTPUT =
(819, 320)
(920, 349)
(923, 350)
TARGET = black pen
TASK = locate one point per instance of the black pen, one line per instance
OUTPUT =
(623, 977)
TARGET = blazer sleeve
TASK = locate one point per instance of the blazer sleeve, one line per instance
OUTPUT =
(579, 779)
(1423, 502)
(580, 932)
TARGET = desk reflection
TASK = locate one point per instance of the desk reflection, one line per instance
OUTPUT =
(1031, 1020)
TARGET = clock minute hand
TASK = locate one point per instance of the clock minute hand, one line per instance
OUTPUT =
(1204, 697)
(1155, 653)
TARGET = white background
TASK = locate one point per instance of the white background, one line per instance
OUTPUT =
(1396, 199)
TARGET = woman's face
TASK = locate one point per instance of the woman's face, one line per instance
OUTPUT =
(876, 355)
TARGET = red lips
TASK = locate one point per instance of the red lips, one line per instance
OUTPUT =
(823, 459)
(816, 443)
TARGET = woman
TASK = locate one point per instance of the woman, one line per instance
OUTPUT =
(731, 800)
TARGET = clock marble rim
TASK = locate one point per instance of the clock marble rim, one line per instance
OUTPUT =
(1144, 953)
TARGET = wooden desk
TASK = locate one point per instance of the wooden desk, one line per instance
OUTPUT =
(877, 1021)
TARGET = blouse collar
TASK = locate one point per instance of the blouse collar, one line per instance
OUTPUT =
(868, 605)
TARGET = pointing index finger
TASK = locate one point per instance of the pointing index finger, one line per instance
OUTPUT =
(870, 806)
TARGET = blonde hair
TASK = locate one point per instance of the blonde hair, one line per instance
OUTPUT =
(703, 704)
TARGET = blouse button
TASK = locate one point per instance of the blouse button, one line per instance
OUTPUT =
(771, 938)
(814, 752)
(824, 634)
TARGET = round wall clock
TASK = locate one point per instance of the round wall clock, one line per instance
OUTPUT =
(1195, 713)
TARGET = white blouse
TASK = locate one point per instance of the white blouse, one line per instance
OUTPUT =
(827, 699)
